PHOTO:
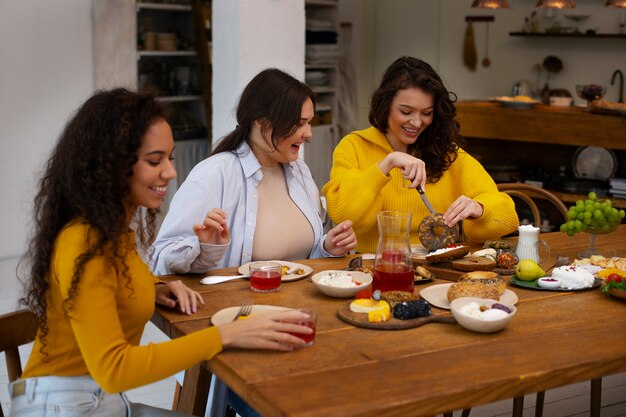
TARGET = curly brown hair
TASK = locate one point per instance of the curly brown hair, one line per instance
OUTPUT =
(87, 178)
(438, 144)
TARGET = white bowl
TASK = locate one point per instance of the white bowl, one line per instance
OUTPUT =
(549, 282)
(476, 324)
(364, 279)
(561, 101)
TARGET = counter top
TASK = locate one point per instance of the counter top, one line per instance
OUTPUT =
(542, 124)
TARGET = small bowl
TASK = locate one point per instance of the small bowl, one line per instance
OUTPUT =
(590, 92)
(561, 101)
(363, 278)
(475, 324)
(549, 283)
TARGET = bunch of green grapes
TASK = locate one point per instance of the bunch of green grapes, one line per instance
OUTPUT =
(592, 214)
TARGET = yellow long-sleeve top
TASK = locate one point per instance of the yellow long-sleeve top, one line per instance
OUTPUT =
(101, 336)
(358, 190)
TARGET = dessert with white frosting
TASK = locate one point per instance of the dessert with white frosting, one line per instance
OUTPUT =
(573, 277)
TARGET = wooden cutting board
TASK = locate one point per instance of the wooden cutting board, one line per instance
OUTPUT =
(360, 320)
(445, 271)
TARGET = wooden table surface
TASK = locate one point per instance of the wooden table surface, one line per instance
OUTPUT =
(556, 338)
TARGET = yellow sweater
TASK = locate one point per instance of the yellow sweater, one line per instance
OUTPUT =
(101, 337)
(357, 190)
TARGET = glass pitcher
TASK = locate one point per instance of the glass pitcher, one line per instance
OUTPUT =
(528, 244)
(393, 267)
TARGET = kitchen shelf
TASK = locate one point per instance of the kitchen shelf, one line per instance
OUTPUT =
(571, 198)
(332, 3)
(323, 89)
(141, 54)
(568, 35)
(163, 6)
(178, 99)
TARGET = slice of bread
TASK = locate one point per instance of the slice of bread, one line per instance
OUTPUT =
(473, 263)
(447, 254)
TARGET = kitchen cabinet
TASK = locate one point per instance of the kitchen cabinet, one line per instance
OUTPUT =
(543, 138)
(322, 75)
(161, 48)
(568, 35)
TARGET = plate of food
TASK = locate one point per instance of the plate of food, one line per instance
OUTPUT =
(437, 295)
(534, 285)
(226, 315)
(291, 271)
(516, 102)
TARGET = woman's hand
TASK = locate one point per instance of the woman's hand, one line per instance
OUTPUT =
(413, 169)
(171, 292)
(341, 239)
(214, 229)
(266, 331)
(461, 209)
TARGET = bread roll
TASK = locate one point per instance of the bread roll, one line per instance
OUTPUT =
(447, 254)
(472, 289)
(486, 277)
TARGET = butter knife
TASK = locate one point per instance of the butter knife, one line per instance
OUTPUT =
(425, 200)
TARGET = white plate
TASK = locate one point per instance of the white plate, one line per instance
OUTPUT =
(226, 315)
(245, 270)
(437, 295)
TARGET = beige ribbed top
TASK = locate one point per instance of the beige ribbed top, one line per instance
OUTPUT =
(282, 231)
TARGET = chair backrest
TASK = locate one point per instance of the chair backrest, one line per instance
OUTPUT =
(16, 329)
(528, 193)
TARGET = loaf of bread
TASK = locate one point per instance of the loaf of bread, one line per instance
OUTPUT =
(473, 263)
(472, 289)
(486, 277)
(447, 254)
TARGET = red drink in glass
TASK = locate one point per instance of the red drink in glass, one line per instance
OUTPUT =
(308, 338)
(393, 277)
(265, 281)
(392, 256)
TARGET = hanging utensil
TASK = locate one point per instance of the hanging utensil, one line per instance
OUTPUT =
(470, 57)
(486, 60)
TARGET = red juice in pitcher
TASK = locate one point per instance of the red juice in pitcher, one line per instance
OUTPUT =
(393, 277)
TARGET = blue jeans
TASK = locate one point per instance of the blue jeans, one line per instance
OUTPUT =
(240, 406)
(57, 396)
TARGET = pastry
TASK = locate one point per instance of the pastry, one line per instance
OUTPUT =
(473, 263)
(447, 254)
(486, 277)
(435, 234)
(472, 289)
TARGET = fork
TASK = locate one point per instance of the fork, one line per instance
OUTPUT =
(245, 310)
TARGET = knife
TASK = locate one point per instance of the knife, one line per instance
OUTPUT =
(425, 200)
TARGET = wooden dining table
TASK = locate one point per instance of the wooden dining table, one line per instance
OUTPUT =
(556, 338)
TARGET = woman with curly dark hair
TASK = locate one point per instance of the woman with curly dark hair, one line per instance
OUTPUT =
(413, 129)
(87, 284)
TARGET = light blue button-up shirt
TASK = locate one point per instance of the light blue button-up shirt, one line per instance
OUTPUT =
(228, 181)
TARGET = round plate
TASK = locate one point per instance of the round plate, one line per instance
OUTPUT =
(437, 295)
(534, 286)
(245, 270)
(226, 315)
(510, 103)
(595, 163)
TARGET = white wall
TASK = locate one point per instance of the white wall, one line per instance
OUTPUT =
(434, 30)
(45, 73)
(249, 36)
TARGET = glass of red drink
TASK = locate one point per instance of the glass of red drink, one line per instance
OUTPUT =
(310, 323)
(265, 276)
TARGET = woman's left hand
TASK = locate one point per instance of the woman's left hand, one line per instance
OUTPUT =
(171, 292)
(461, 209)
(341, 239)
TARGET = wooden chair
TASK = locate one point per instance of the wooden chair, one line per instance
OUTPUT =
(529, 193)
(16, 329)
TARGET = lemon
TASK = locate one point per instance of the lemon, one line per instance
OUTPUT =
(528, 270)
